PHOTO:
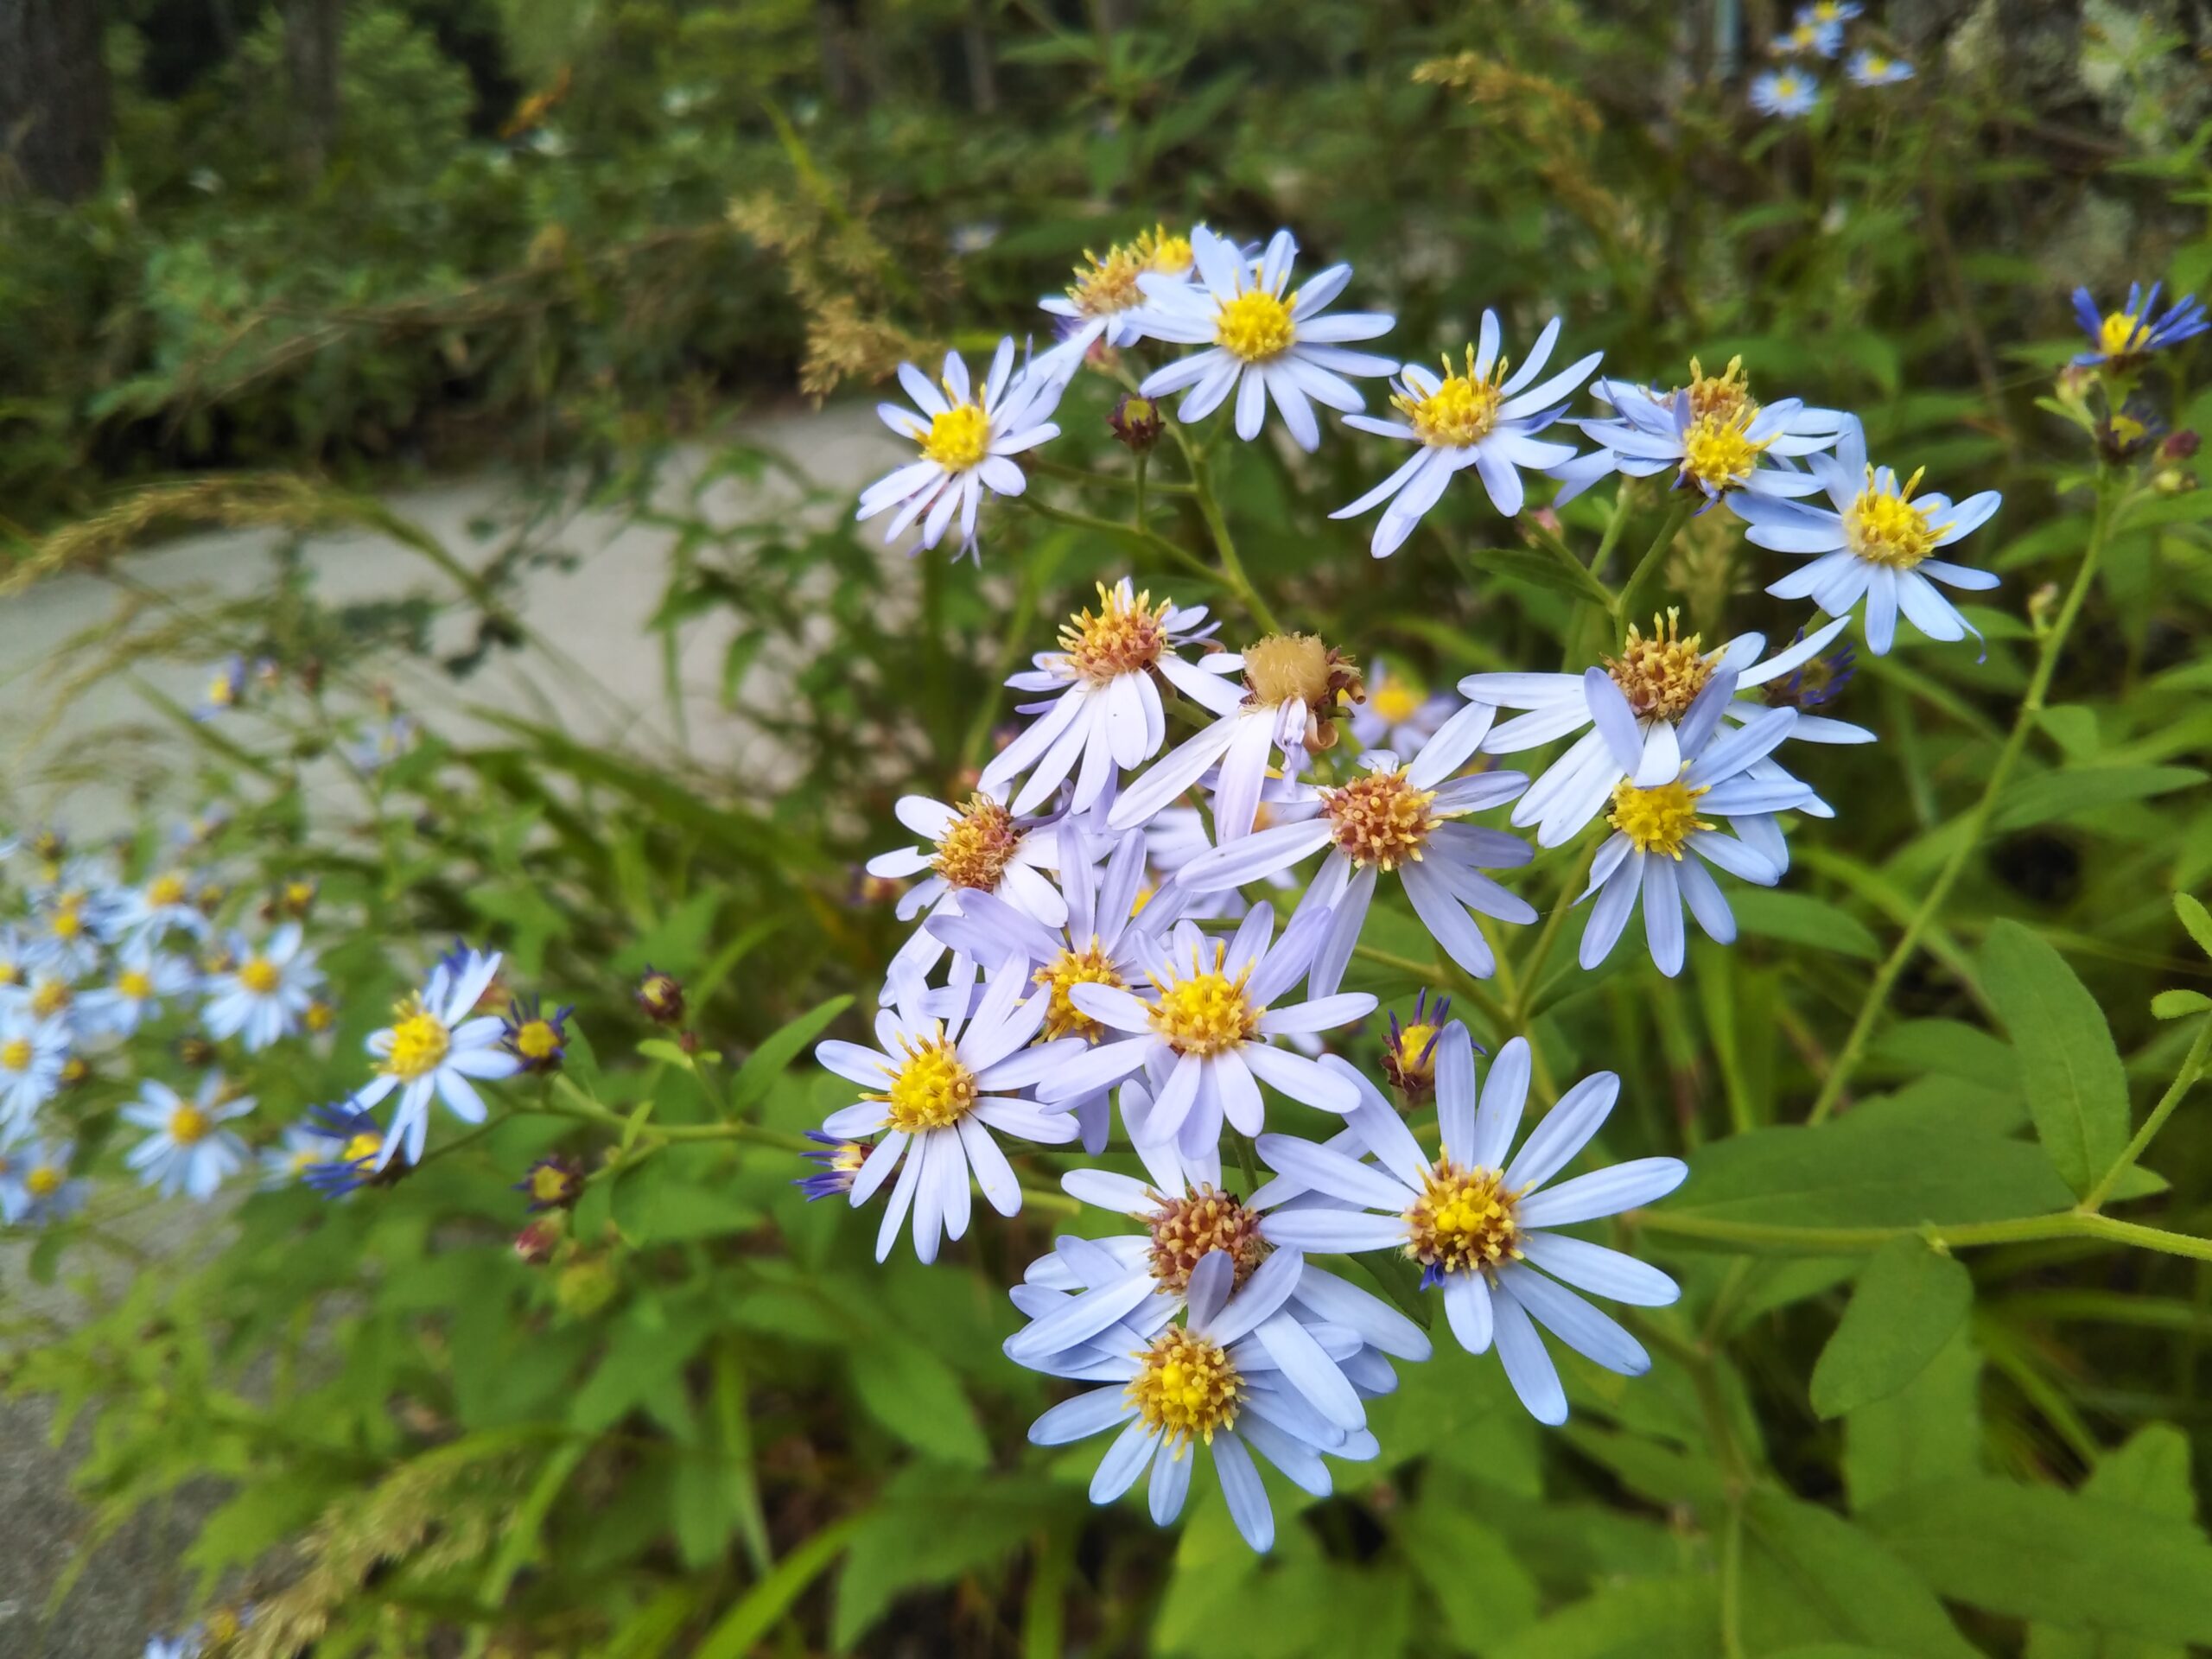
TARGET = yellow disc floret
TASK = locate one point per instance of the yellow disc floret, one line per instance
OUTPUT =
(1206, 1010)
(1163, 252)
(135, 984)
(1380, 819)
(1724, 396)
(959, 438)
(168, 888)
(930, 1089)
(1662, 673)
(419, 1042)
(1719, 453)
(1463, 1221)
(260, 975)
(1255, 327)
(188, 1125)
(1185, 1231)
(1659, 819)
(52, 996)
(1059, 977)
(1125, 636)
(2121, 333)
(16, 1054)
(978, 845)
(1461, 410)
(43, 1181)
(1105, 285)
(1187, 1388)
(537, 1040)
(67, 921)
(1885, 527)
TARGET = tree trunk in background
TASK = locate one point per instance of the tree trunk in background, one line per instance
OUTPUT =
(53, 95)
(313, 32)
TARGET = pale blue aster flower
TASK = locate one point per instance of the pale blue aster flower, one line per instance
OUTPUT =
(262, 993)
(1876, 542)
(434, 1047)
(1784, 93)
(350, 1142)
(1713, 434)
(159, 905)
(1220, 1378)
(188, 1150)
(1478, 1221)
(1484, 418)
(142, 980)
(1262, 340)
(1868, 67)
(383, 741)
(979, 847)
(1105, 303)
(2136, 329)
(32, 1050)
(36, 1186)
(1398, 715)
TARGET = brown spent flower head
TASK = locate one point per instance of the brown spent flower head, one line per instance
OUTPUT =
(1125, 635)
(1136, 422)
(1301, 668)
(1661, 673)
(661, 997)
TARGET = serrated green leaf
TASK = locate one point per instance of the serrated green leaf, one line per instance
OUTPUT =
(1908, 1303)
(2071, 1068)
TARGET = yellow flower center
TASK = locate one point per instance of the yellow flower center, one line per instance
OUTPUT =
(51, 997)
(12, 973)
(362, 1148)
(1886, 527)
(1723, 396)
(319, 1017)
(1288, 667)
(1718, 452)
(1396, 700)
(43, 1182)
(2121, 334)
(1088, 966)
(977, 845)
(1408, 1061)
(1188, 1388)
(1659, 819)
(536, 1040)
(260, 975)
(932, 1089)
(1463, 1221)
(1663, 674)
(68, 919)
(958, 438)
(16, 1054)
(166, 889)
(135, 984)
(1104, 286)
(1207, 1011)
(419, 1042)
(1459, 412)
(1125, 637)
(188, 1126)
(1185, 1231)
(1380, 819)
(550, 1184)
(1254, 327)
(1170, 256)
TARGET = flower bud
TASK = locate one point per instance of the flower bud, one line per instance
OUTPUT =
(534, 1244)
(1136, 422)
(661, 996)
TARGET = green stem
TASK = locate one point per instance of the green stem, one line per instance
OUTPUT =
(1225, 545)
(1119, 531)
(1848, 1240)
(2192, 1067)
(1977, 820)
(1731, 1583)
(1136, 512)
(1525, 995)
(1627, 605)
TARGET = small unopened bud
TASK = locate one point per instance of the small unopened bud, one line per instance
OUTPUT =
(552, 1183)
(1136, 422)
(2180, 445)
(76, 1071)
(2043, 605)
(586, 1286)
(661, 996)
(195, 1051)
(535, 1244)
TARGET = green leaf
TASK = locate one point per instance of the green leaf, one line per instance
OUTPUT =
(2077, 1090)
(1543, 570)
(678, 944)
(1927, 1431)
(2051, 797)
(2178, 1004)
(765, 1605)
(915, 1395)
(1809, 1573)
(1910, 1302)
(673, 1197)
(2151, 1472)
(1800, 918)
(932, 1527)
(1649, 1619)
(2041, 1552)
(1483, 1594)
(2196, 919)
(2073, 726)
(778, 1049)
(1952, 1047)
(668, 1054)
(1882, 1174)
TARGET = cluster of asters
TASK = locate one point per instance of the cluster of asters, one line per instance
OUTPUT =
(1098, 932)
(1818, 33)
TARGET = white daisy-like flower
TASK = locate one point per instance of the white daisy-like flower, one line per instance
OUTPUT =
(1398, 715)
(1479, 1224)
(1877, 542)
(262, 993)
(1661, 698)
(1107, 913)
(188, 1150)
(936, 1088)
(18, 956)
(979, 847)
(71, 922)
(1203, 1034)
(32, 1051)
(1103, 708)
(1294, 685)
(300, 1149)
(1480, 418)
(1654, 825)
(1787, 93)
(160, 905)
(1717, 438)
(143, 979)
(1868, 67)
(1262, 342)
(36, 1188)
(1107, 302)
(1393, 819)
(434, 1047)
(968, 443)
(1217, 1379)
(48, 995)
